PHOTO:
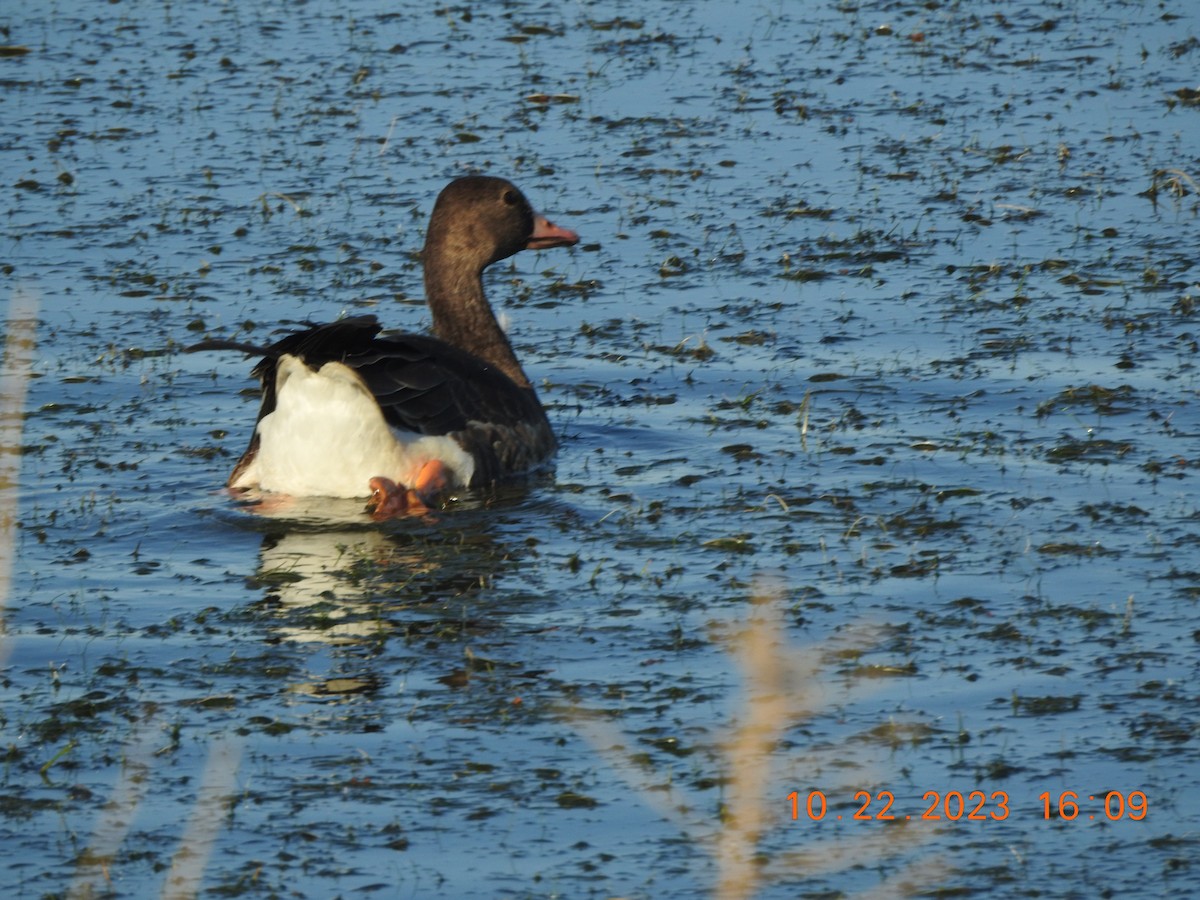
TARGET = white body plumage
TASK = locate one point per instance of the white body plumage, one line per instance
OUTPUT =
(327, 437)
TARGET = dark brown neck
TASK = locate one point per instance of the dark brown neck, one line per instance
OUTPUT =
(462, 316)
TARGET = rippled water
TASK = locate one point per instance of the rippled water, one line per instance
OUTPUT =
(875, 379)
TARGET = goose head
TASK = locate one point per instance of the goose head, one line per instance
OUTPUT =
(479, 220)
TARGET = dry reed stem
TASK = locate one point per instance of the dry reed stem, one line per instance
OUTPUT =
(212, 804)
(94, 868)
(773, 696)
(19, 346)
(781, 689)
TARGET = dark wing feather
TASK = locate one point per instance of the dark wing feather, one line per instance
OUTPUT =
(425, 385)
(422, 385)
(319, 343)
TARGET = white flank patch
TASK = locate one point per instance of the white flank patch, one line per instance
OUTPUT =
(327, 438)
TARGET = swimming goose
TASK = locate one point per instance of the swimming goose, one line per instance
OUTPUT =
(349, 412)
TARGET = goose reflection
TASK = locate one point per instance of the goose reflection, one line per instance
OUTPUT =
(328, 577)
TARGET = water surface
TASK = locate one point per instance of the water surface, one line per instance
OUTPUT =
(875, 379)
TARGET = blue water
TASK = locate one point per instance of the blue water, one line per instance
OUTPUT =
(883, 316)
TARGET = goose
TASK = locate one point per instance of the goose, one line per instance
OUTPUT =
(402, 418)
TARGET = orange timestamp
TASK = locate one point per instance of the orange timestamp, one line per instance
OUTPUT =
(976, 806)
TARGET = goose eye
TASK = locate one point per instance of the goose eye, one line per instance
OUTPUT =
(510, 197)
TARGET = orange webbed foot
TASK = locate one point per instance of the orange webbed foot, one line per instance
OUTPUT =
(432, 480)
(387, 498)
(390, 499)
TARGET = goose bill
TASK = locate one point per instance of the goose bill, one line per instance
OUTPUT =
(546, 235)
